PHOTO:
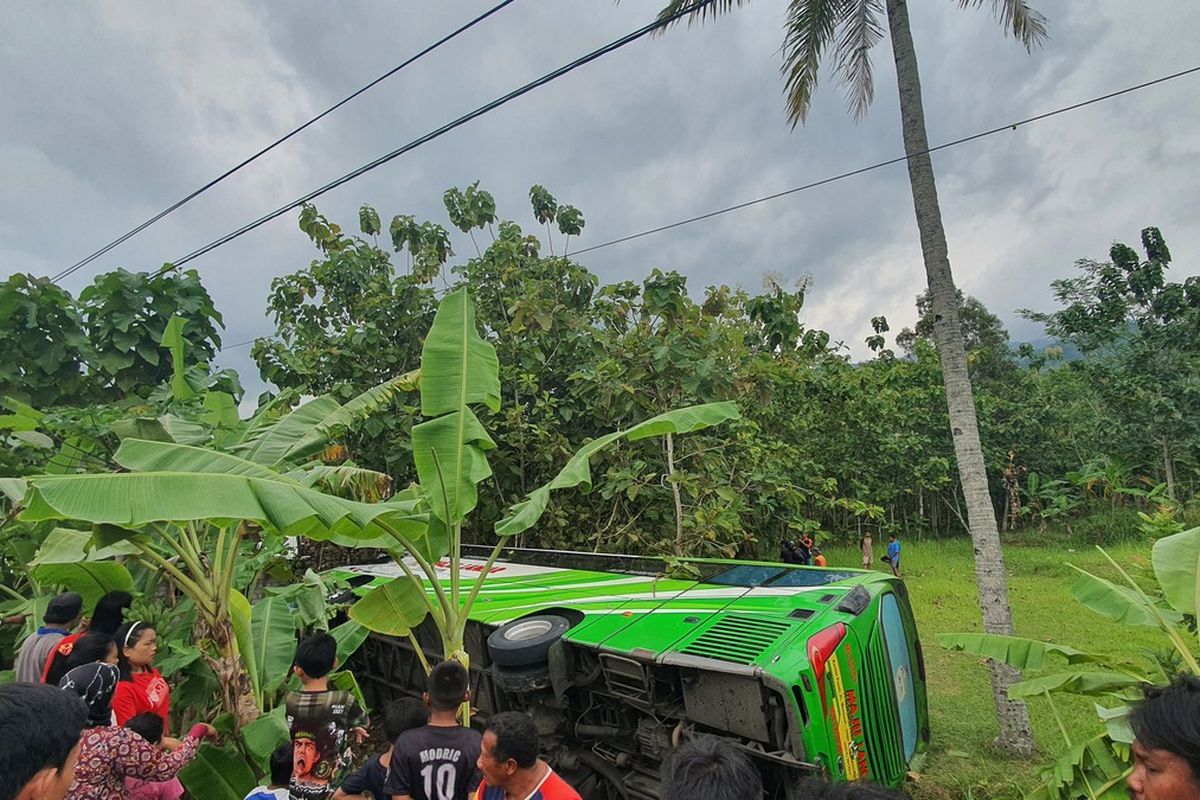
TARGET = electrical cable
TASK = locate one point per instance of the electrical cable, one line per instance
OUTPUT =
(434, 134)
(861, 170)
(184, 201)
(881, 164)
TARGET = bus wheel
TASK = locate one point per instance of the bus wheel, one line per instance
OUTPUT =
(526, 641)
(521, 680)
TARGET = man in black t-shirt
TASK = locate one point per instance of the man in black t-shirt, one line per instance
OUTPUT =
(437, 761)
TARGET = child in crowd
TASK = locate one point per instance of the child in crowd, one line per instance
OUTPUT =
(149, 726)
(438, 761)
(320, 721)
(368, 780)
(819, 559)
(281, 776)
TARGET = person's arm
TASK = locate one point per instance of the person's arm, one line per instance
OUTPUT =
(356, 784)
(140, 759)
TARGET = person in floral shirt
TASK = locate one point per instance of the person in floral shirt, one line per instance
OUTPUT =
(108, 755)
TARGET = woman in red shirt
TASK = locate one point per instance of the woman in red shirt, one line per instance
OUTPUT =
(142, 687)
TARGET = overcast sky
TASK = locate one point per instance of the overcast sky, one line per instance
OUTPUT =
(111, 111)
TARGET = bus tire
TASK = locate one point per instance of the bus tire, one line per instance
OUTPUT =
(527, 640)
(521, 680)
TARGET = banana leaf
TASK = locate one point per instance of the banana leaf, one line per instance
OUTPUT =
(217, 774)
(394, 608)
(458, 367)
(1175, 560)
(241, 617)
(1092, 682)
(1012, 650)
(274, 642)
(449, 456)
(577, 472)
(1119, 603)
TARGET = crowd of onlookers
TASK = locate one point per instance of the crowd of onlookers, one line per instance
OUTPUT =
(89, 719)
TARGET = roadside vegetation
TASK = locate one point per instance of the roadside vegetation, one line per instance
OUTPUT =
(422, 400)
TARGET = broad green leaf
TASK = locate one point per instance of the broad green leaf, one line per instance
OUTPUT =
(220, 414)
(1014, 651)
(457, 366)
(1175, 560)
(269, 444)
(577, 472)
(91, 579)
(135, 499)
(241, 617)
(62, 546)
(1117, 603)
(344, 480)
(17, 422)
(264, 735)
(1094, 682)
(217, 774)
(166, 428)
(274, 643)
(394, 608)
(138, 455)
(1116, 722)
(173, 340)
(360, 407)
(75, 453)
(264, 417)
(33, 439)
(345, 681)
(449, 456)
(14, 489)
(349, 636)
(1091, 769)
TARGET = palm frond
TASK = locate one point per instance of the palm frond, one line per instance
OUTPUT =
(1024, 23)
(698, 14)
(861, 31)
(809, 29)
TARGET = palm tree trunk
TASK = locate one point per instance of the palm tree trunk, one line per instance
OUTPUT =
(1012, 716)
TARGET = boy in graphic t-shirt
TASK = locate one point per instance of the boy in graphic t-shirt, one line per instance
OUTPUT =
(437, 761)
(320, 721)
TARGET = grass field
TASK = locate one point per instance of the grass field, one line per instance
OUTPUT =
(962, 763)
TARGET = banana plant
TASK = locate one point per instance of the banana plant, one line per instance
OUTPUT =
(1095, 767)
(459, 373)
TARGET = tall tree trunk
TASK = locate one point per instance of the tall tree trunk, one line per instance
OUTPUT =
(1012, 716)
(1169, 468)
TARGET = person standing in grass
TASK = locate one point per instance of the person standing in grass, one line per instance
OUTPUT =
(893, 554)
(866, 545)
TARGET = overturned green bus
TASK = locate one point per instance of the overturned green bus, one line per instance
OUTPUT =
(810, 671)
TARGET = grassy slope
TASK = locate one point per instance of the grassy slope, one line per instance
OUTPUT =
(961, 762)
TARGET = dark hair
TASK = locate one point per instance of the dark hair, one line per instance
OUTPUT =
(110, 612)
(1168, 718)
(147, 725)
(316, 655)
(404, 715)
(710, 768)
(84, 650)
(447, 685)
(281, 765)
(516, 738)
(128, 635)
(39, 727)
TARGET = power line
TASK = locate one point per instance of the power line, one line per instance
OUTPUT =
(131, 233)
(945, 146)
(434, 134)
(1011, 126)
